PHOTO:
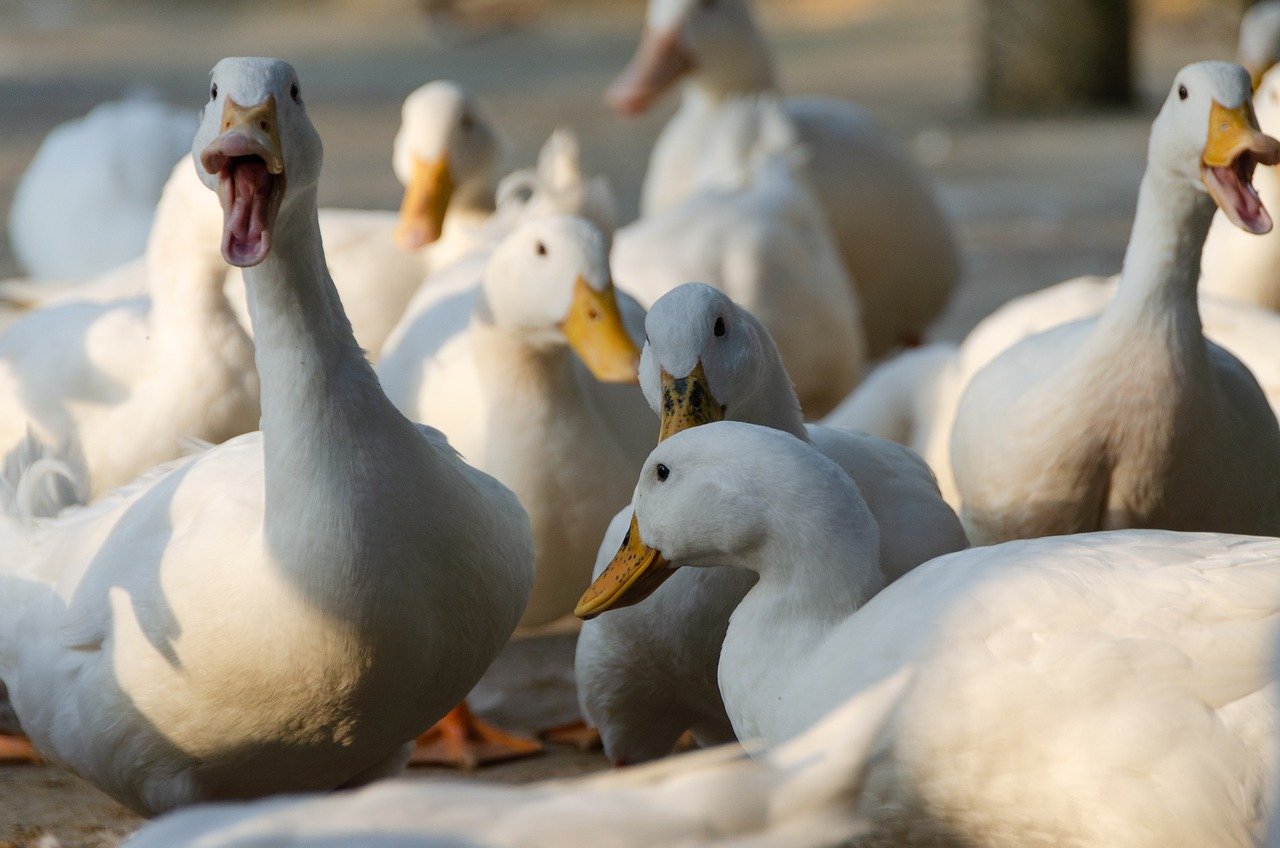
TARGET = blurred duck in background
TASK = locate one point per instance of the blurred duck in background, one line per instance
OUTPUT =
(895, 242)
(85, 203)
(752, 227)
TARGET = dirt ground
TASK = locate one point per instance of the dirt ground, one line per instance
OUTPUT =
(1034, 202)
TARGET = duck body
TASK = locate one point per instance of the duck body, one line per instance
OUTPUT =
(1115, 421)
(514, 396)
(85, 203)
(892, 237)
(287, 611)
(756, 233)
(1114, 642)
(647, 673)
(128, 379)
(890, 234)
(1060, 691)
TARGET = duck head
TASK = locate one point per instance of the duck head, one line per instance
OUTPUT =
(712, 37)
(1207, 134)
(257, 149)
(446, 148)
(730, 493)
(550, 280)
(706, 359)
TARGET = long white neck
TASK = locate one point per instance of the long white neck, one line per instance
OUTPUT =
(813, 576)
(190, 315)
(329, 433)
(1162, 264)
(773, 403)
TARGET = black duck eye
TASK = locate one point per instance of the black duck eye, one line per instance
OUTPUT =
(467, 122)
(719, 327)
(1182, 92)
(293, 92)
(663, 471)
(541, 249)
(213, 92)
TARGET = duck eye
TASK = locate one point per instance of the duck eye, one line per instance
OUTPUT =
(213, 92)
(541, 249)
(719, 327)
(293, 92)
(663, 471)
(467, 122)
(1182, 92)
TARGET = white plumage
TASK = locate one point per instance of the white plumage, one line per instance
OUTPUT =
(85, 203)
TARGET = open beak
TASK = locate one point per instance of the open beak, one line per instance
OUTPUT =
(248, 161)
(687, 402)
(660, 60)
(636, 573)
(1236, 147)
(426, 199)
(596, 332)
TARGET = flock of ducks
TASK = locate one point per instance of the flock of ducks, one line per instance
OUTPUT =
(278, 492)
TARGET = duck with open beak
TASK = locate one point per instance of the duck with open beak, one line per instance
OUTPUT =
(247, 159)
(1234, 149)
(426, 200)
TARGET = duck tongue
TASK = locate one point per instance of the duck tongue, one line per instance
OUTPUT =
(246, 236)
(1232, 188)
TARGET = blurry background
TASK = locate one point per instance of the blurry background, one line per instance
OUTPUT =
(1036, 199)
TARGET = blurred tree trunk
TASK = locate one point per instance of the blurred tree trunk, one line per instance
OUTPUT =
(1055, 55)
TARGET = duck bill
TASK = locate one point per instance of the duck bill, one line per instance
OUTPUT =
(660, 60)
(687, 402)
(635, 573)
(248, 160)
(1235, 148)
(426, 200)
(596, 332)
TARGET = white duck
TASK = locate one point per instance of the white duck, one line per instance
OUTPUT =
(509, 395)
(128, 380)
(1134, 418)
(1062, 691)
(752, 228)
(85, 203)
(647, 674)
(894, 238)
(796, 795)
(284, 612)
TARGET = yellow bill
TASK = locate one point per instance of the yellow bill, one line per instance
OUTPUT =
(596, 332)
(426, 200)
(687, 402)
(1233, 150)
(636, 573)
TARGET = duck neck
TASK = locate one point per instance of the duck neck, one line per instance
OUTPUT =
(821, 565)
(190, 313)
(1162, 264)
(323, 412)
(773, 404)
